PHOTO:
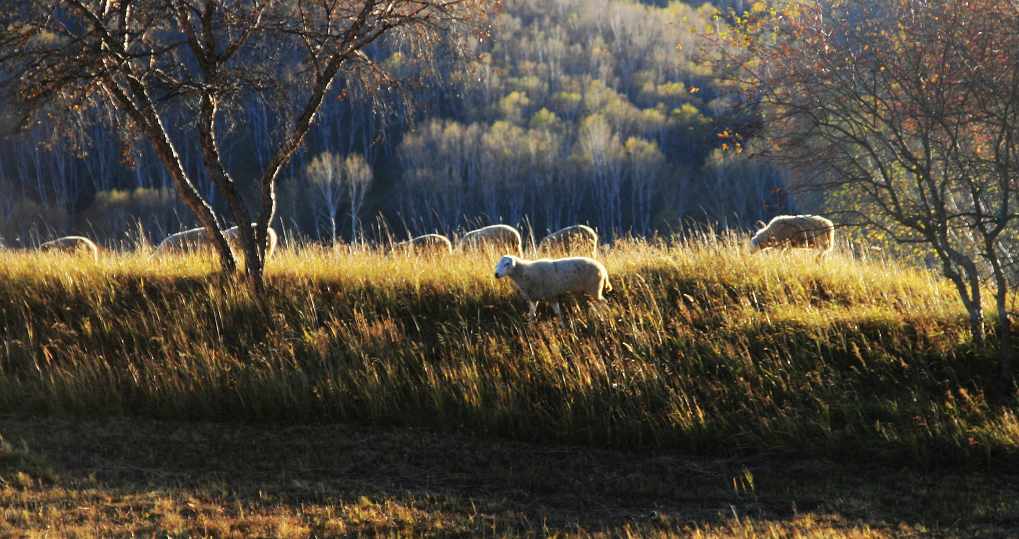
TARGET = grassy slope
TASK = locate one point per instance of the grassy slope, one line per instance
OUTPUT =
(701, 348)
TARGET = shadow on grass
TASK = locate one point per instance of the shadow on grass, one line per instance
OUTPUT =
(123, 476)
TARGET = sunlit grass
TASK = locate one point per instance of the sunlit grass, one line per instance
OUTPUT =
(702, 346)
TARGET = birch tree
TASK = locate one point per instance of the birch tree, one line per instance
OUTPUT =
(357, 178)
(197, 63)
(325, 173)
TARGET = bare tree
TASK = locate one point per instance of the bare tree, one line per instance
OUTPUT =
(598, 148)
(325, 174)
(338, 179)
(906, 114)
(646, 163)
(357, 176)
(197, 63)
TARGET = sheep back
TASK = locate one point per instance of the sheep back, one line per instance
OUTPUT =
(578, 239)
(72, 245)
(810, 231)
(547, 278)
(195, 239)
(426, 244)
(498, 237)
(185, 240)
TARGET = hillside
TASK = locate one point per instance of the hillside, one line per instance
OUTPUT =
(701, 348)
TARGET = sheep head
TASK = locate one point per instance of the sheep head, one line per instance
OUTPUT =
(504, 266)
(760, 238)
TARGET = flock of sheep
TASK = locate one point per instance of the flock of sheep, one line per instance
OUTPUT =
(537, 280)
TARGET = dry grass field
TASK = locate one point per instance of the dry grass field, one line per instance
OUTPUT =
(716, 393)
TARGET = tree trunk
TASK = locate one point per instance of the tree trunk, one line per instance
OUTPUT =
(970, 295)
(214, 167)
(290, 145)
(353, 216)
(1004, 328)
(1004, 336)
(203, 212)
(976, 323)
(976, 315)
(145, 117)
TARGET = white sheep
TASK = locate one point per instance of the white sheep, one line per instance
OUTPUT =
(428, 243)
(233, 237)
(501, 237)
(808, 231)
(73, 245)
(185, 240)
(547, 279)
(579, 239)
(195, 239)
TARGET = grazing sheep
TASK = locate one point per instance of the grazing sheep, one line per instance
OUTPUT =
(185, 240)
(233, 237)
(809, 231)
(576, 239)
(195, 239)
(502, 237)
(547, 279)
(72, 245)
(428, 243)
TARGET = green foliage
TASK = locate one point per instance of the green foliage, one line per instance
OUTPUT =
(701, 347)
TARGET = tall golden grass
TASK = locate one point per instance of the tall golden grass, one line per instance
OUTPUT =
(701, 347)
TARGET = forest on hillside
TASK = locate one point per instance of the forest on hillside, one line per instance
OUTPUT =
(602, 112)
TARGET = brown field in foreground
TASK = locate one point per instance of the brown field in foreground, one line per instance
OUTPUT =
(131, 477)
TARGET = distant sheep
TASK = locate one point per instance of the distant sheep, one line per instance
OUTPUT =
(426, 244)
(195, 239)
(73, 245)
(547, 279)
(233, 237)
(809, 231)
(576, 239)
(186, 240)
(497, 237)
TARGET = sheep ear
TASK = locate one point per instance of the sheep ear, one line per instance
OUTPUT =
(761, 224)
